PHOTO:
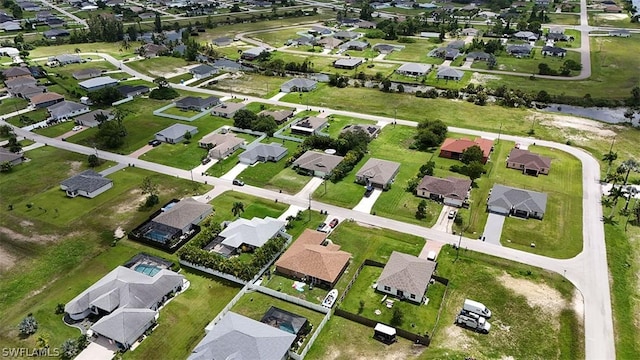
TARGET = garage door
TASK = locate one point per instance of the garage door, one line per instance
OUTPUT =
(499, 210)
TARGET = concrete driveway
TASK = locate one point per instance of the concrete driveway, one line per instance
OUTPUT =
(443, 223)
(234, 172)
(136, 154)
(100, 349)
(366, 204)
(493, 229)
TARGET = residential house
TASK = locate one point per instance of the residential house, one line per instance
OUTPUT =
(227, 109)
(309, 125)
(152, 50)
(229, 66)
(453, 148)
(203, 71)
(16, 72)
(221, 145)
(45, 99)
(87, 183)
(86, 73)
(273, 152)
(528, 162)
(526, 36)
(329, 42)
(612, 9)
(55, 22)
(176, 221)
(347, 35)
(371, 130)
(7, 156)
(447, 53)
(29, 6)
(543, 2)
(447, 73)
(280, 116)
(21, 81)
(413, 69)
(301, 41)
(451, 191)
(387, 48)
(319, 31)
(378, 173)
(556, 30)
(314, 260)
(222, 41)
(245, 235)
(363, 24)
(553, 51)
(66, 59)
(56, 33)
(13, 25)
(175, 133)
(505, 200)
(354, 45)
(298, 85)
(98, 83)
(521, 50)
(406, 277)
(350, 63)
(478, 56)
(197, 103)
(253, 53)
(65, 110)
(89, 119)
(317, 163)
(554, 36)
(128, 301)
(27, 91)
(132, 91)
(620, 33)
(470, 32)
(239, 337)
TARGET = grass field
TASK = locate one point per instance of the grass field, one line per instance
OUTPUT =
(285, 285)
(12, 104)
(156, 66)
(529, 65)
(253, 206)
(250, 84)
(564, 19)
(113, 49)
(338, 122)
(56, 130)
(415, 52)
(278, 38)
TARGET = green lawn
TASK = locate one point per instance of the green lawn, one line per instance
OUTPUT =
(564, 19)
(12, 104)
(285, 285)
(529, 65)
(338, 122)
(256, 107)
(250, 84)
(56, 130)
(253, 206)
(178, 79)
(180, 112)
(113, 49)
(278, 38)
(415, 52)
(31, 117)
(224, 165)
(157, 65)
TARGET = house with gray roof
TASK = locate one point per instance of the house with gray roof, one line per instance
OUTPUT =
(447, 73)
(319, 31)
(197, 103)
(478, 56)
(505, 200)
(239, 337)
(65, 110)
(526, 35)
(98, 83)
(13, 25)
(86, 73)
(387, 48)
(253, 53)
(246, 233)
(302, 41)
(56, 33)
(451, 191)
(20, 81)
(229, 65)
(519, 50)
(620, 33)
(329, 42)
(316, 163)
(347, 35)
(355, 45)
(406, 277)
(350, 63)
(7, 156)
(87, 183)
(227, 109)
(298, 85)
(89, 119)
(66, 59)
(280, 116)
(309, 125)
(263, 152)
(129, 301)
(182, 216)
(413, 69)
(378, 173)
(26, 91)
(222, 41)
(371, 130)
(553, 51)
(132, 91)
(175, 133)
(203, 71)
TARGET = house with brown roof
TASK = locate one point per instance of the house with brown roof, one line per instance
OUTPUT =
(46, 99)
(378, 173)
(227, 109)
(280, 116)
(451, 191)
(317, 163)
(16, 72)
(87, 74)
(221, 145)
(453, 148)
(313, 260)
(528, 162)
(406, 277)
(309, 126)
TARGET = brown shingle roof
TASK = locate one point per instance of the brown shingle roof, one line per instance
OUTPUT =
(529, 159)
(450, 187)
(407, 273)
(460, 145)
(317, 161)
(45, 97)
(307, 256)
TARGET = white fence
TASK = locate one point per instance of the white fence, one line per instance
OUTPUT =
(313, 338)
(289, 298)
(125, 100)
(213, 272)
(159, 112)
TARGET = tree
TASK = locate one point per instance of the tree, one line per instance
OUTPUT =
(16, 11)
(366, 12)
(111, 134)
(544, 69)
(6, 167)
(187, 137)
(69, 349)
(13, 145)
(161, 82)
(105, 96)
(93, 160)
(430, 134)
(421, 212)
(265, 124)
(244, 119)
(396, 318)
(610, 157)
(28, 325)
(6, 131)
(427, 169)
(18, 39)
(474, 170)
(237, 208)
(471, 154)
(157, 23)
(628, 114)
(629, 166)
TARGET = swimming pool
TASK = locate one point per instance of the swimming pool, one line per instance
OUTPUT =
(147, 269)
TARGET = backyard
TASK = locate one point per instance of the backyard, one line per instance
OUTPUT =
(253, 206)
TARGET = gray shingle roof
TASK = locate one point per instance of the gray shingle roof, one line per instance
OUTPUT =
(449, 72)
(202, 69)
(274, 150)
(191, 101)
(414, 68)
(241, 338)
(96, 82)
(518, 199)
(407, 273)
(8, 156)
(88, 181)
(300, 83)
(348, 62)
(89, 119)
(317, 161)
(378, 171)
(64, 108)
(124, 325)
(176, 131)
(254, 232)
(183, 213)
(451, 187)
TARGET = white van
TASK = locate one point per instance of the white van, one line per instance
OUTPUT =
(476, 307)
(431, 255)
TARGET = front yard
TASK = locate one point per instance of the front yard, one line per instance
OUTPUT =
(253, 206)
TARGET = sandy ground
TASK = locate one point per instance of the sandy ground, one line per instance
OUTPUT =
(396, 352)
(481, 79)
(613, 16)
(587, 129)
(74, 167)
(537, 294)
(7, 259)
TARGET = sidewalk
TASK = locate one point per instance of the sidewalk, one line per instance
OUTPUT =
(366, 203)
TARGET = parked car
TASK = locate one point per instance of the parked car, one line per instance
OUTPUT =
(77, 128)
(368, 191)
(452, 214)
(238, 182)
(321, 227)
(154, 143)
(206, 160)
(334, 223)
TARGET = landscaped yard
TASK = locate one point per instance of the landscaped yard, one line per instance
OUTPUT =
(56, 130)
(285, 285)
(12, 104)
(253, 206)
(338, 122)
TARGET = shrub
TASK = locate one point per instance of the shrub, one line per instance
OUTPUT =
(28, 325)
(165, 93)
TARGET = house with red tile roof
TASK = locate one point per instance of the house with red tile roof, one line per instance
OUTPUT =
(453, 148)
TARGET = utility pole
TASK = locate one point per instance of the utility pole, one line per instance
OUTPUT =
(309, 207)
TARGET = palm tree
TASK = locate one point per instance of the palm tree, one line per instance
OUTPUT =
(615, 193)
(630, 165)
(237, 209)
(606, 201)
(610, 157)
(631, 192)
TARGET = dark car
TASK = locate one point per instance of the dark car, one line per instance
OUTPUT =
(334, 223)
(238, 182)
(368, 192)
(321, 226)
(206, 160)
(154, 143)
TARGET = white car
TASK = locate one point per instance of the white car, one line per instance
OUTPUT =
(77, 128)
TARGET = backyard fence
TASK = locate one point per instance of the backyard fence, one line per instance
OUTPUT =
(125, 100)
(418, 339)
(289, 298)
(367, 262)
(312, 339)
(159, 112)
(213, 272)
(226, 308)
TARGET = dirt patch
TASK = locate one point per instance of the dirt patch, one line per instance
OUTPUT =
(587, 129)
(395, 352)
(74, 167)
(136, 198)
(481, 79)
(6, 260)
(34, 238)
(537, 294)
(456, 338)
(614, 17)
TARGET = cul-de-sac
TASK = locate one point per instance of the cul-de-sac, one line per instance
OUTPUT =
(320, 179)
